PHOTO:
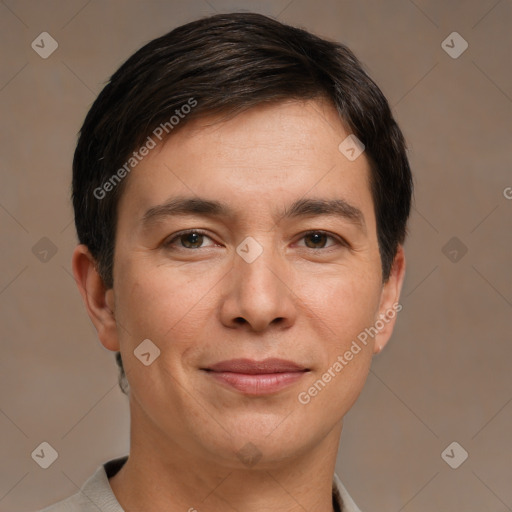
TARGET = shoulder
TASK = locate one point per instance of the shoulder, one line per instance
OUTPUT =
(344, 498)
(95, 495)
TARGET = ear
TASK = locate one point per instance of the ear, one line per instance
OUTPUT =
(389, 305)
(98, 301)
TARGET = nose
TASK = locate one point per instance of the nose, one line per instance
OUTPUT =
(259, 295)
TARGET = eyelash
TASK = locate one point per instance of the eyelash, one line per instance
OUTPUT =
(180, 234)
(339, 241)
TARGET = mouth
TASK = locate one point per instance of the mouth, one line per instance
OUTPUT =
(252, 377)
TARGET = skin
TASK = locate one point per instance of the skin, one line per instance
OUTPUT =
(303, 299)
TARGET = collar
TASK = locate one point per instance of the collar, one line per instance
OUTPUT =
(98, 489)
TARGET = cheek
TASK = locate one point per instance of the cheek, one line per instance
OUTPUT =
(346, 301)
(169, 313)
(346, 308)
(156, 302)
(350, 303)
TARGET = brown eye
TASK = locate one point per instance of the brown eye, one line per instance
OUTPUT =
(322, 240)
(192, 240)
(316, 240)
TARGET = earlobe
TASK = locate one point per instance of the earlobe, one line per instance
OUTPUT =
(98, 300)
(390, 306)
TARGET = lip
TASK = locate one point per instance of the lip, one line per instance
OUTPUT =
(252, 367)
(257, 377)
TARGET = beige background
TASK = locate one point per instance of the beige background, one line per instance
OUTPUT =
(445, 376)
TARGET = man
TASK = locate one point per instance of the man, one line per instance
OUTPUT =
(241, 194)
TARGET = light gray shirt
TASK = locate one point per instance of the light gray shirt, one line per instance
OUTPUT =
(96, 494)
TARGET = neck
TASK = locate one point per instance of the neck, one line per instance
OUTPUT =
(168, 476)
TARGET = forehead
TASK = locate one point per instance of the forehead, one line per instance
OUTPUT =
(268, 154)
(267, 133)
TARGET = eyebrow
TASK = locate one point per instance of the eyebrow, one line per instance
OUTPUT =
(301, 208)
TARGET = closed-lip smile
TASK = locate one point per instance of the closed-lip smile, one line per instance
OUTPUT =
(253, 377)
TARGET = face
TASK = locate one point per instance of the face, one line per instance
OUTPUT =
(248, 239)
